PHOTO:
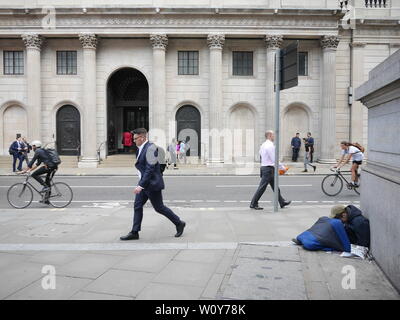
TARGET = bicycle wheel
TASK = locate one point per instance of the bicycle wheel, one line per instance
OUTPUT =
(61, 195)
(19, 195)
(332, 184)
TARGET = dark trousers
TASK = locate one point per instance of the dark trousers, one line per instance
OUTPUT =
(267, 177)
(295, 154)
(158, 205)
(43, 170)
(17, 156)
(311, 158)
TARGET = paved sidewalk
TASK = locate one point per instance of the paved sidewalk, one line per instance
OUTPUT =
(295, 168)
(224, 253)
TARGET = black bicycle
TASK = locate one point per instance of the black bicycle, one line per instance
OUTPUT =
(20, 195)
(332, 184)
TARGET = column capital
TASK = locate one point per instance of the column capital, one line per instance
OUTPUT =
(329, 42)
(32, 40)
(274, 41)
(88, 40)
(159, 40)
(215, 40)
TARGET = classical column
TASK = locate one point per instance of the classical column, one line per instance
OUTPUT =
(328, 146)
(357, 70)
(273, 42)
(158, 130)
(89, 132)
(215, 43)
(33, 43)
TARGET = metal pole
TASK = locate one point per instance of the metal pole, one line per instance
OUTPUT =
(277, 103)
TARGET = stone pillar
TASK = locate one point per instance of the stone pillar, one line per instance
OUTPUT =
(158, 129)
(89, 132)
(33, 43)
(357, 58)
(215, 43)
(274, 42)
(328, 147)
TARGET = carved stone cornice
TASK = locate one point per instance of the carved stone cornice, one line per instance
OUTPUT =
(159, 40)
(358, 44)
(329, 42)
(88, 40)
(32, 40)
(216, 40)
(274, 41)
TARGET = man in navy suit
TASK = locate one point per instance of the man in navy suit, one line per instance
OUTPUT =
(16, 150)
(150, 185)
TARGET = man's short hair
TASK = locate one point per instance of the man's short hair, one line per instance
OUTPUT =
(297, 133)
(140, 131)
(268, 133)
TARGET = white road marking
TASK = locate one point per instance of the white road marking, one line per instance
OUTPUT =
(256, 185)
(118, 246)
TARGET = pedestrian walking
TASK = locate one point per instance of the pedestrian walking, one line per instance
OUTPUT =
(127, 141)
(296, 144)
(182, 151)
(15, 150)
(310, 142)
(267, 153)
(307, 159)
(25, 150)
(150, 186)
(172, 153)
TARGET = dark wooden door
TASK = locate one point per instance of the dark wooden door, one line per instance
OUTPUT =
(136, 117)
(188, 128)
(68, 130)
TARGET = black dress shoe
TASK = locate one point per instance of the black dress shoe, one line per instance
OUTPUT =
(131, 236)
(315, 168)
(256, 208)
(179, 229)
(286, 203)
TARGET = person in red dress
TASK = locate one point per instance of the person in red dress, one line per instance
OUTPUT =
(127, 141)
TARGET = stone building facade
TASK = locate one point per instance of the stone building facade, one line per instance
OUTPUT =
(201, 69)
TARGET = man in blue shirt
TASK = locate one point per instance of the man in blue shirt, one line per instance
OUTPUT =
(296, 144)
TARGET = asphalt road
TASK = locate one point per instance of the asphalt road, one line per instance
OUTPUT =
(190, 191)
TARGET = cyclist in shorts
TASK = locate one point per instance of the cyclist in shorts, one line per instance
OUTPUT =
(350, 151)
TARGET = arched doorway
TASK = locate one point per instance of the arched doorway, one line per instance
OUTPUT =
(127, 105)
(295, 119)
(68, 124)
(15, 121)
(242, 126)
(188, 128)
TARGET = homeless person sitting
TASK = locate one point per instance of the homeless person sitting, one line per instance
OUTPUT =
(345, 226)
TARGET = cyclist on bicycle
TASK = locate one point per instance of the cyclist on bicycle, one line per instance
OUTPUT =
(351, 151)
(49, 167)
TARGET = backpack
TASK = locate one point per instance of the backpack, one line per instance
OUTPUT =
(53, 156)
(358, 146)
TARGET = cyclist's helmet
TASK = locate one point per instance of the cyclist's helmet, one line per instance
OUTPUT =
(36, 143)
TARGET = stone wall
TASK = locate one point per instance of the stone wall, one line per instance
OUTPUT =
(380, 191)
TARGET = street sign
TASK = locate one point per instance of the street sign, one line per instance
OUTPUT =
(289, 70)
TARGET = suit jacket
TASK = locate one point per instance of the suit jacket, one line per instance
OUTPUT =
(14, 147)
(149, 167)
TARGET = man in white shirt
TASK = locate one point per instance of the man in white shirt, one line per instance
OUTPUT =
(267, 153)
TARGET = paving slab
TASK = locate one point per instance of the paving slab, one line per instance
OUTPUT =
(121, 282)
(258, 276)
(162, 291)
(65, 287)
(83, 295)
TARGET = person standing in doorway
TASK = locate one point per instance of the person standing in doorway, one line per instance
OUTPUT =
(307, 159)
(127, 141)
(26, 149)
(267, 153)
(310, 142)
(296, 144)
(172, 153)
(182, 151)
(150, 186)
(15, 150)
